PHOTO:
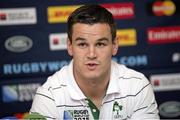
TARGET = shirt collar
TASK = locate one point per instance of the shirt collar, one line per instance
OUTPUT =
(74, 90)
(113, 83)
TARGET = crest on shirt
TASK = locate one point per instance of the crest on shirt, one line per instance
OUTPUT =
(117, 110)
(76, 115)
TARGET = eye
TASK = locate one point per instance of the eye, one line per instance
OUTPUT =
(82, 45)
(100, 44)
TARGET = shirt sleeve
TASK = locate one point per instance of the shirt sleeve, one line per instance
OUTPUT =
(145, 106)
(44, 104)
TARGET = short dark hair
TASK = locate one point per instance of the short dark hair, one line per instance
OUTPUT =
(91, 14)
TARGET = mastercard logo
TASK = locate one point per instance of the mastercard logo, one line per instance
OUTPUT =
(161, 8)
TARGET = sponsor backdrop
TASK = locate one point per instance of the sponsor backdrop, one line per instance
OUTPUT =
(33, 46)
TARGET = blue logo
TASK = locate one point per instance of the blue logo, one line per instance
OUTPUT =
(9, 93)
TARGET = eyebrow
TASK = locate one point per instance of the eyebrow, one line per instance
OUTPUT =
(83, 39)
(80, 39)
(103, 39)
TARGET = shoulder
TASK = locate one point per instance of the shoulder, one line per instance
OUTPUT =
(136, 92)
(57, 79)
(55, 85)
(129, 79)
(124, 72)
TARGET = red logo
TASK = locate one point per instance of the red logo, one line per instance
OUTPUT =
(164, 34)
(121, 10)
(2, 16)
(56, 41)
(156, 82)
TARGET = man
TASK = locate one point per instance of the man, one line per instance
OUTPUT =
(92, 86)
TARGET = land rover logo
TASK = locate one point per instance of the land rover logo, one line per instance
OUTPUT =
(170, 109)
(18, 44)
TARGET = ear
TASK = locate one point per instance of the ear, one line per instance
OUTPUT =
(115, 47)
(69, 47)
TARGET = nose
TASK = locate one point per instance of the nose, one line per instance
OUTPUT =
(91, 52)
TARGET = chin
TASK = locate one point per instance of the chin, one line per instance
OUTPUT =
(92, 76)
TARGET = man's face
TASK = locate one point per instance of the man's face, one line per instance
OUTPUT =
(92, 49)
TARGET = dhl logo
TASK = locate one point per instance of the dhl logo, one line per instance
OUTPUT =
(166, 8)
(58, 14)
(126, 37)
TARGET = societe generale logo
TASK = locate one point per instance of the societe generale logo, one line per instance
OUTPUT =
(164, 8)
(157, 35)
(120, 10)
(18, 16)
(165, 82)
(126, 37)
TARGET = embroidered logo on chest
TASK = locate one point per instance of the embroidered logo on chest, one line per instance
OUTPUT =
(117, 110)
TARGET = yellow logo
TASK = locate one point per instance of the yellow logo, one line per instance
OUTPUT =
(126, 37)
(58, 14)
(169, 8)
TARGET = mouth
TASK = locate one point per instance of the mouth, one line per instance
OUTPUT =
(91, 66)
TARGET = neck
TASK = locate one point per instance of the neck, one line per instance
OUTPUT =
(95, 89)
